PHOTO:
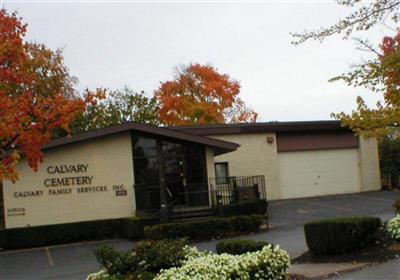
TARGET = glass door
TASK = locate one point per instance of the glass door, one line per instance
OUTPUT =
(174, 172)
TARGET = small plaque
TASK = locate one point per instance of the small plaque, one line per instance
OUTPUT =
(121, 192)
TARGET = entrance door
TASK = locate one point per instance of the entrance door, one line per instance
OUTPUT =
(174, 179)
(174, 172)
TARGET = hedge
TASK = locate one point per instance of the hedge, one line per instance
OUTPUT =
(133, 228)
(239, 246)
(245, 208)
(17, 238)
(340, 235)
(396, 206)
(204, 229)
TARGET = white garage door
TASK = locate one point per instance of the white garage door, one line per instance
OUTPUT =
(314, 173)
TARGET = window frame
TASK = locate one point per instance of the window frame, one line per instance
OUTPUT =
(222, 180)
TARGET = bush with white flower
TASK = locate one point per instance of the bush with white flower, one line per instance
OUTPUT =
(98, 275)
(270, 263)
(393, 227)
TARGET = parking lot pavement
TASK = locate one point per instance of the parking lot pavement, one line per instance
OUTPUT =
(385, 271)
(296, 212)
(69, 262)
(76, 261)
(290, 239)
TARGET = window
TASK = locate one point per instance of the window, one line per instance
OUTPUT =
(222, 172)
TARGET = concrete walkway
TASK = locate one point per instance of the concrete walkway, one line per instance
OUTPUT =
(317, 270)
(385, 271)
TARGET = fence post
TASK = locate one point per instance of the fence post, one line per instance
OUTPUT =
(235, 191)
(219, 205)
(256, 191)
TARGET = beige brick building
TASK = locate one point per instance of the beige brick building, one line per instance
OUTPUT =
(129, 169)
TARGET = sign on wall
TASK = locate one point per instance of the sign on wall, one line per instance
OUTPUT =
(74, 178)
(86, 181)
(63, 180)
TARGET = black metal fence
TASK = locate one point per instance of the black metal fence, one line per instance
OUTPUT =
(237, 189)
(199, 199)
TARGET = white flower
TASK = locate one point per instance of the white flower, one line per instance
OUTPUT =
(270, 263)
(393, 227)
(99, 274)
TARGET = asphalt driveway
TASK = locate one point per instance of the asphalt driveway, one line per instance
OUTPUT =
(296, 212)
(75, 261)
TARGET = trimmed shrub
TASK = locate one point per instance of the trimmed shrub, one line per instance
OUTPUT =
(141, 263)
(393, 227)
(17, 238)
(156, 255)
(204, 229)
(246, 223)
(116, 263)
(396, 206)
(133, 228)
(340, 235)
(246, 208)
(200, 229)
(269, 263)
(144, 275)
(239, 246)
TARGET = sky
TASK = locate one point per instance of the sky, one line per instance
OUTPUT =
(138, 44)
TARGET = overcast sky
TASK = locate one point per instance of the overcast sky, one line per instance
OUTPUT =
(138, 44)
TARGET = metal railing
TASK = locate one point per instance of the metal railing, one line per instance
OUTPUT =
(199, 199)
(231, 190)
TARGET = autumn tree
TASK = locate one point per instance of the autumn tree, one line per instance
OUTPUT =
(36, 96)
(118, 107)
(198, 94)
(380, 74)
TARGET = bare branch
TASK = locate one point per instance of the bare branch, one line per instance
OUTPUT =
(363, 18)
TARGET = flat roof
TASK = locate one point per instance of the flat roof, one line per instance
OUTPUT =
(198, 133)
(261, 127)
(218, 146)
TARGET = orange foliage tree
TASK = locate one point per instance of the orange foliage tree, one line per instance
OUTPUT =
(198, 94)
(36, 96)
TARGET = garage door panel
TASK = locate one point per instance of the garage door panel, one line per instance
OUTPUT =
(313, 173)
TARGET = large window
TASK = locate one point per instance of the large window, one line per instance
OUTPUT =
(146, 172)
(182, 165)
(145, 161)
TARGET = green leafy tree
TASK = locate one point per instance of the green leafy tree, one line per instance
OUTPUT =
(118, 107)
(380, 74)
(389, 153)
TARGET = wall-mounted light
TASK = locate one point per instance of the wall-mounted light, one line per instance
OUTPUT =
(270, 139)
